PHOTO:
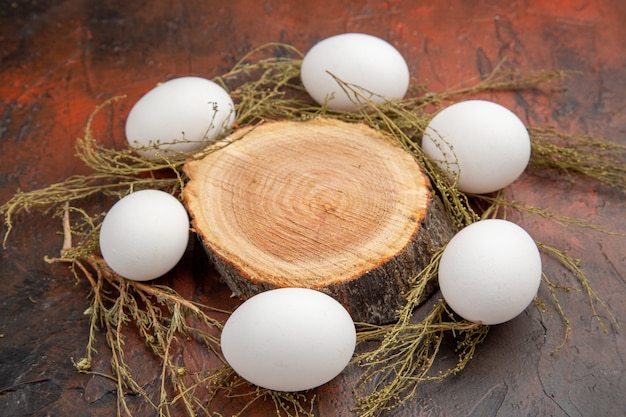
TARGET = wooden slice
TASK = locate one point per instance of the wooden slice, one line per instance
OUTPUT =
(321, 204)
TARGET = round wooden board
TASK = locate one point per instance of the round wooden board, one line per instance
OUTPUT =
(321, 204)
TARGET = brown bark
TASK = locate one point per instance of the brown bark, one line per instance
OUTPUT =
(322, 204)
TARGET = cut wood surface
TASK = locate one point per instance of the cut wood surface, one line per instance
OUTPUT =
(322, 204)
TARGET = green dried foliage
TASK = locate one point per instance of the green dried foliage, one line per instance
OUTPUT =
(395, 358)
(406, 349)
(579, 155)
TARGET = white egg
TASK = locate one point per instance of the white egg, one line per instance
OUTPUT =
(490, 271)
(180, 115)
(480, 144)
(362, 60)
(289, 339)
(144, 234)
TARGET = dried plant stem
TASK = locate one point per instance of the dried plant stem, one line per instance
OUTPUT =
(499, 79)
(54, 198)
(394, 370)
(158, 331)
(568, 327)
(584, 155)
(142, 304)
(573, 265)
(500, 201)
(406, 350)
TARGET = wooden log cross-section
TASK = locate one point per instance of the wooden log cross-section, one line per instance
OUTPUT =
(322, 204)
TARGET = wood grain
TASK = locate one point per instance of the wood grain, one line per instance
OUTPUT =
(322, 204)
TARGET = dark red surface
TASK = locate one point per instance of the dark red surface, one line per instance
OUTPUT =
(59, 59)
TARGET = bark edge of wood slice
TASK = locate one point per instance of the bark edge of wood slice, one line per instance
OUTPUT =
(324, 204)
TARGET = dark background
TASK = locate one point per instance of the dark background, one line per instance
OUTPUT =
(59, 59)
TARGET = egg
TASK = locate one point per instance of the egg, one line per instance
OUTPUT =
(490, 271)
(180, 115)
(369, 63)
(144, 235)
(481, 145)
(289, 339)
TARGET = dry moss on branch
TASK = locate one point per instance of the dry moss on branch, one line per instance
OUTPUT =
(395, 358)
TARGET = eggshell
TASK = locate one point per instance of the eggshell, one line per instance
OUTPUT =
(180, 115)
(481, 144)
(144, 234)
(362, 60)
(490, 271)
(289, 339)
